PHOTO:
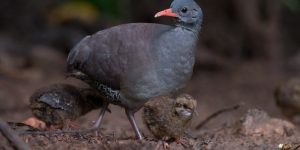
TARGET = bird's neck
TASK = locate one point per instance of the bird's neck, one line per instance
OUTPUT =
(175, 56)
(193, 27)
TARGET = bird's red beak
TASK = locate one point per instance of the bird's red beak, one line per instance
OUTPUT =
(167, 12)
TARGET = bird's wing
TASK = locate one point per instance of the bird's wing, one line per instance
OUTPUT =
(104, 55)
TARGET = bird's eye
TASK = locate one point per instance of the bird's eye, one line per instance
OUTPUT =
(185, 106)
(184, 10)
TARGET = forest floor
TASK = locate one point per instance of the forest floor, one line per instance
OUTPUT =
(251, 84)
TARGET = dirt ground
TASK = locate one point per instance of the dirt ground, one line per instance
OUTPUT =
(248, 83)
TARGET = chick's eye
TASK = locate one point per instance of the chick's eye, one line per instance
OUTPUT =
(185, 106)
(184, 10)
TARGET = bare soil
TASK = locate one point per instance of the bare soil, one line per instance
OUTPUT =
(248, 83)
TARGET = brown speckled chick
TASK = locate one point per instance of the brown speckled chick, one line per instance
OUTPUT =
(168, 118)
(58, 104)
(287, 98)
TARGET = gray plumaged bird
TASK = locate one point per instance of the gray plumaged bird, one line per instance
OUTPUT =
(168, 117)
(131, 63)
(287, 98)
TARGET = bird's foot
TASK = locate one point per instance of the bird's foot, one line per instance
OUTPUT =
(162, 143)
(182, 141)
(97, 124)
(165, 143)
(95, 130)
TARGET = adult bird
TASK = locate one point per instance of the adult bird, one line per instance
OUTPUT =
(131, 63)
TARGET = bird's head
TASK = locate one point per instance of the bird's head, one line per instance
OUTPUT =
(186, 12)
(185, 106)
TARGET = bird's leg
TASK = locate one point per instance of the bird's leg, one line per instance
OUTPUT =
(99, 120)
(165, 143)
(130, 116)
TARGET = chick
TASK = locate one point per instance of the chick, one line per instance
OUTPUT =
(59, 104)
(169, 118)
(287, 98)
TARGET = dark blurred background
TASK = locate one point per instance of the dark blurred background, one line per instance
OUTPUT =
(246, 48)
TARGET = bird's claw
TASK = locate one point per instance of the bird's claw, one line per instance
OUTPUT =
(166, 145)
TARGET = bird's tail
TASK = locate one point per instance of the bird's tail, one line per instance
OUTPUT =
(78, 55)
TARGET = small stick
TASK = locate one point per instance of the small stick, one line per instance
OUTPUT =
(57, 132)
(12, 136)
(217, 114)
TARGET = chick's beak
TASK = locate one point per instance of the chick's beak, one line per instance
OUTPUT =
(166, 12)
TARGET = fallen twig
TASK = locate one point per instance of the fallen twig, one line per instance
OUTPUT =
(217, 114)
(57, 132)
(12, 136)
